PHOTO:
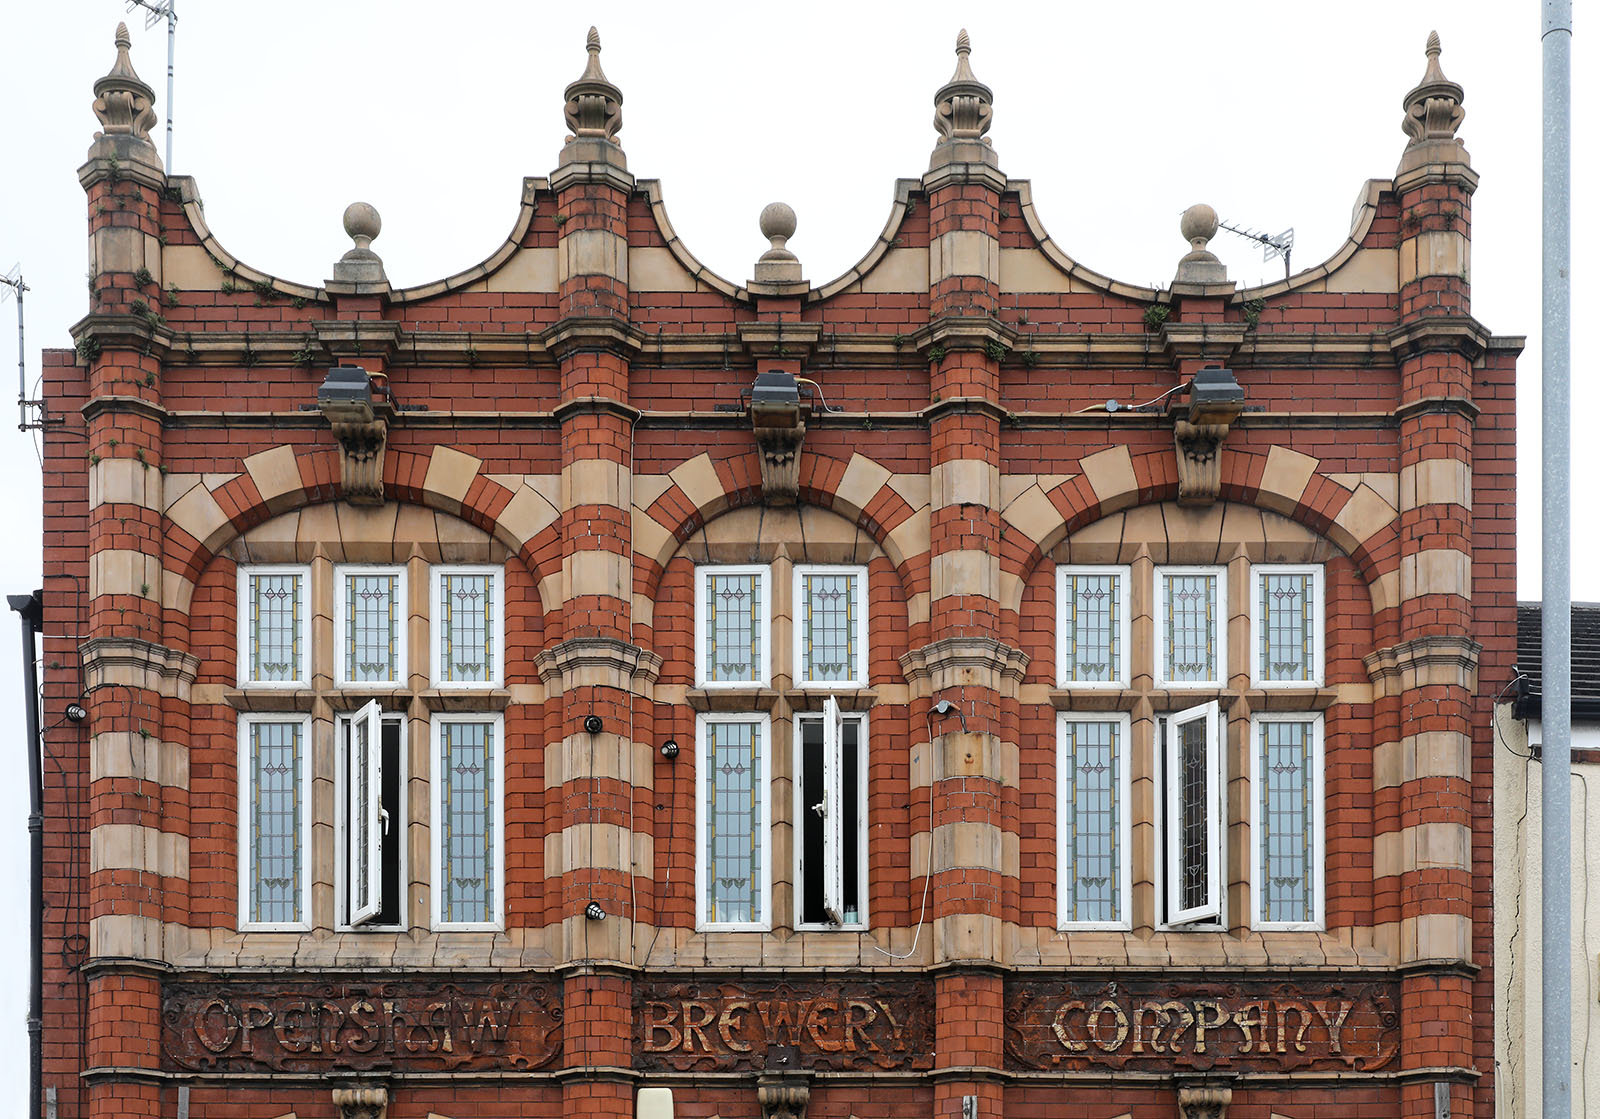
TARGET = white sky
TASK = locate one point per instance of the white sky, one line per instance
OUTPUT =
(1121, 114)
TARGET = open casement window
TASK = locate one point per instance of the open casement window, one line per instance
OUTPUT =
(831, 863)
(1092, 821)
(1091, 626)
(1286, 619)
(1193, 835)
(368, 821)
(732, 626)
(274, 626)
(1191, 618)
(370, 625)
(1286, 782)
(830, 626)
(732, 871)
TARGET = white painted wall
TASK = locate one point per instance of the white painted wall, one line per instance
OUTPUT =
(1517, 928)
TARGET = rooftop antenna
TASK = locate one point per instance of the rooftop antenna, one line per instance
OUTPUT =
(1272, 244)
(154, 12)
(14, 284)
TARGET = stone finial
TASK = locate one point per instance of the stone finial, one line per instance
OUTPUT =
(964, 106)
(594, 104)
(1199, 265)
(778, 265)
(122, 101)
(360, 265)
(1433, 108)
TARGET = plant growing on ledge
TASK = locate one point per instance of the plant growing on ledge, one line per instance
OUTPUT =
(88, 347)
(143, 278)
(1252, 311)
(996, 351)
(936, 353)
(1156, 315)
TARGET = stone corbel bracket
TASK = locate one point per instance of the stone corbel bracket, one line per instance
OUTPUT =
(774, 339)
(783, 1096)
(361, 447)
(1204, 1101)
(780, 433)
(361, 1103)
(1199, 449)
(951, 663)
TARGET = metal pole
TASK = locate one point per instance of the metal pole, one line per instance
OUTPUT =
(1556, 577)
(22, 362)
(172, 47)
(31, 609)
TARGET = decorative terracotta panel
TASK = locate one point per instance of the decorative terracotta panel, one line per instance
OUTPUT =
(320, 1027)
(1242, 1024)
(854, 1023)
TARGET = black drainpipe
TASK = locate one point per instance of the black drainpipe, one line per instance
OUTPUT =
(31, 607)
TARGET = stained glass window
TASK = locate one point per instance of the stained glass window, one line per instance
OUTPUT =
(1287, 820)
(1192, 835)
(1091, 626)
(733, 607)
(372, 622)
(466, 798)
(1091, 820)
(466, 629)
(732, 787)
(273, 821)
(1191, 626)
(1286, 626)
(275, 605)
(829, 605)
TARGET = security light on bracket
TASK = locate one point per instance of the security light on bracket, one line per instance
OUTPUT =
(1215, 397)
(346, 395)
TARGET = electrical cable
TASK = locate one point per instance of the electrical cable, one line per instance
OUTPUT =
(927, 877)
(1133, 407)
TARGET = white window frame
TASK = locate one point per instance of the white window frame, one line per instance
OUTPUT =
(242, 604)
(1123, 793)
(1318, 623)
(436, 576)
(302, 839)
(497, 813)
(343, 839)
(1159, 611)
(1124, 577)
(833, 796)
(701, 627)
(763, 782)
(1168, 882)
(858, 678)
(1319, 795)
(341, 574)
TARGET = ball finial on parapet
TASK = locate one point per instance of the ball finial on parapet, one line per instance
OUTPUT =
(778, 265)
(1199, 265)
(359, 264)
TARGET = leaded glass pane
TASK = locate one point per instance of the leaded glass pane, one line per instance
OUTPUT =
(1286, 626)
(275, 605)
(372, 627)
(1091, 628)
(733, 628)
(733, 823)
(1191, 627)
(1287, 822)
(466, 627)
(828, 626)
(1091, 835)
(466, 806)
(274, 822)
(1194, 882)
(361, 786)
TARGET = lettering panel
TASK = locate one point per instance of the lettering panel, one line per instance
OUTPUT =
(849, 1023)
(324, 1026)
(1244, 1025)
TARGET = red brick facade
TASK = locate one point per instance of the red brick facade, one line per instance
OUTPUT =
(574, 412)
